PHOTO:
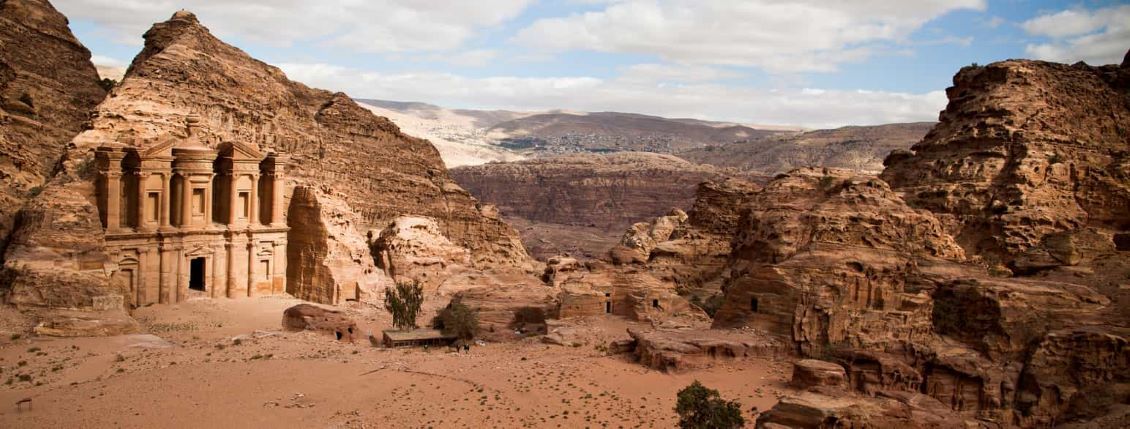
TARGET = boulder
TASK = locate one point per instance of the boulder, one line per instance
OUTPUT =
(303, 317)
(816, 375)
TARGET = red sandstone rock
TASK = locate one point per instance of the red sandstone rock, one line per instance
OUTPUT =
(47, 88)
(816, 375)
(311, 317)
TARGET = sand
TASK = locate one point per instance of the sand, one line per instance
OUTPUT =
(226, 363)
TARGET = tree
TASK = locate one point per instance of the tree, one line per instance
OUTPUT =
(459, 320)
(702, 408)
(404, 303)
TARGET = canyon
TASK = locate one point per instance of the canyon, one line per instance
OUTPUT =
(973, 272)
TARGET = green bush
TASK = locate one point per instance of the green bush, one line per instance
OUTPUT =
(404, 303)
(459, 320)
(700, 407)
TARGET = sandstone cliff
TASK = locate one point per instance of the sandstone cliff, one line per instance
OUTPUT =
(606, 191)
(1029, 156)
(47, 88)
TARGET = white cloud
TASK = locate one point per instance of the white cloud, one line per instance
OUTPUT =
(806, 107)
(366, 26)
(776, 35)
(1099, 36)
(472, 58)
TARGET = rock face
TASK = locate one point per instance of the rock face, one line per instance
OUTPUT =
(606, 191)
(860, 149)
(414, 248)
(355, 170)
(676, 351)
(329, 261)
(985, 278)
(1028, 156)
(814, 410)
(830, 241)
(691, 250)
(47, 88)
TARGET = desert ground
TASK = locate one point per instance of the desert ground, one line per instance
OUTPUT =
(228, 363)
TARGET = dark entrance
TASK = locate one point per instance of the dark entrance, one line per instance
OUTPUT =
(607, 307)
(655, 303)
(196, 274)
(753, 304)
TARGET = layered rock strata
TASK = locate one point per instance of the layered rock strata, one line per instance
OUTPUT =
(47, 88)
(1028, 157)
(605, 191)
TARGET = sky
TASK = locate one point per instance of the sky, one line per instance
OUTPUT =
(810, 63)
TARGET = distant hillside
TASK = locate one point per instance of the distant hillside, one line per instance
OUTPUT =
(859, 148)
(616, 132)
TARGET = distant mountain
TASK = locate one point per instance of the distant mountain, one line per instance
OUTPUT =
(472, 137)
(616, 132)
(859, 148)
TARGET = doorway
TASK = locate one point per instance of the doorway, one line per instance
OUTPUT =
(196, 274)
(753, 304)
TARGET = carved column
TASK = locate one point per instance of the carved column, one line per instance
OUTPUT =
(165, 265)
(113, 201)
(278, 188)
(231, 268)
(182, 276)
(251, 263)
(166, 195)
(142, 202)
(208, 200)
(253, 216)
(186, 201)
(233, 198)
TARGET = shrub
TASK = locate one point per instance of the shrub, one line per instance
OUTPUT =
(700, 407)
(459, 320)
(404, 303)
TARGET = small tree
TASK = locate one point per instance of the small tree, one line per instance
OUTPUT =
(702, 408)
(404, 303)
(459, 320)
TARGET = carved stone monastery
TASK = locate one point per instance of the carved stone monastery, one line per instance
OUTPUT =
(186, 220)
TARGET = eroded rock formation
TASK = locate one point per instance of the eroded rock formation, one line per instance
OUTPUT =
(47, 88)
(599, 192)
(1028, 157)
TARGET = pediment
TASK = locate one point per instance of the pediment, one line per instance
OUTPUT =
(238, 151)
(164, 148)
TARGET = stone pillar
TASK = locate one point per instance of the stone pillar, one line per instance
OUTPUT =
(142, 264)
(182, 276)
(166, 195)
(253, 216)
(233, 198)
(186, 201)
(278, 187)
(114, 200)
(142, 202)
(208, 201)
(231, 269)
(164, 281)
(251, 264)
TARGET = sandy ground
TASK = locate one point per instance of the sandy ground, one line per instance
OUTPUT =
(226, 363)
